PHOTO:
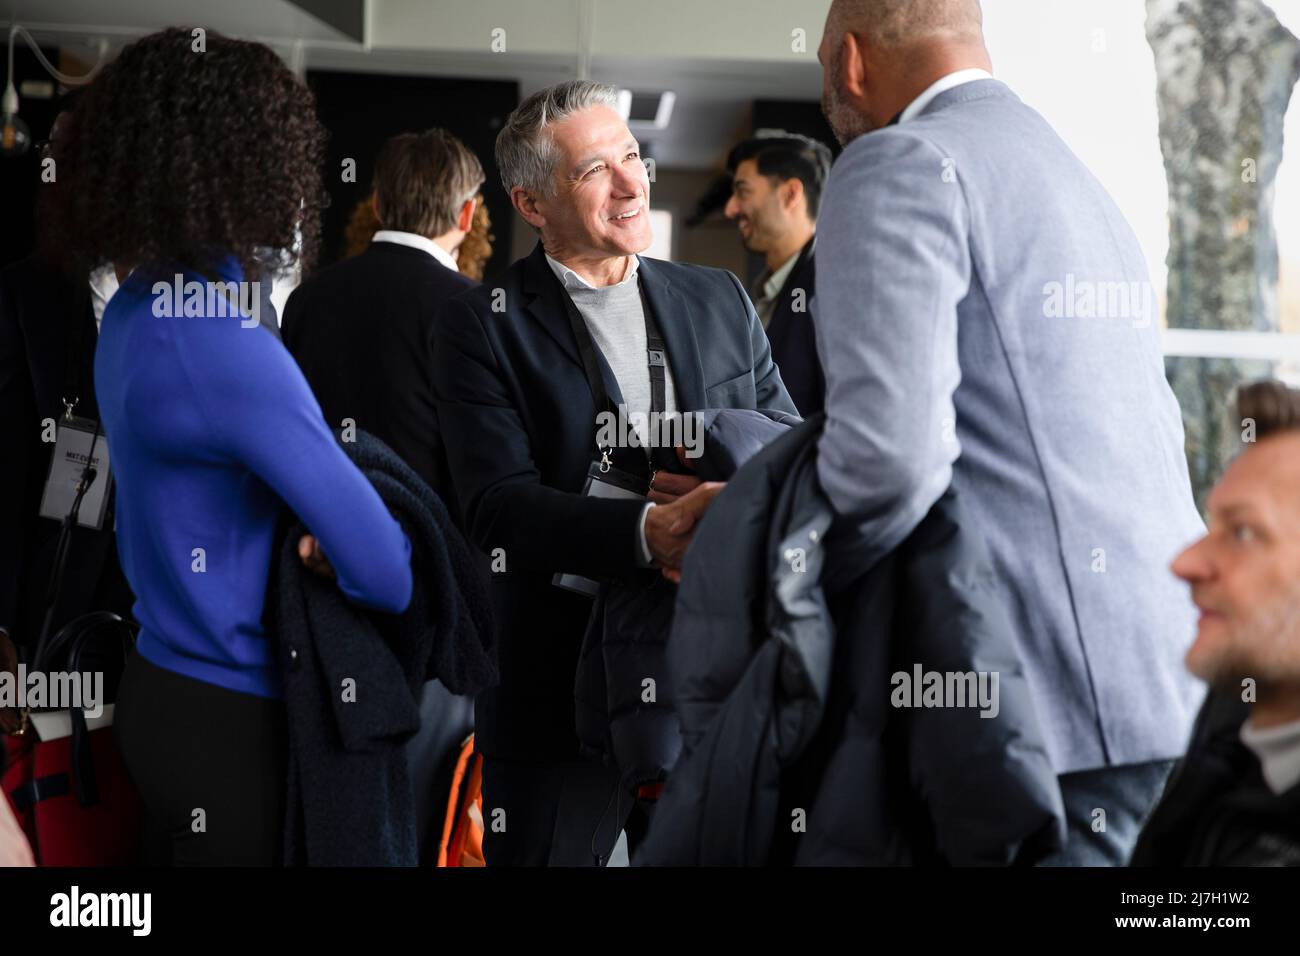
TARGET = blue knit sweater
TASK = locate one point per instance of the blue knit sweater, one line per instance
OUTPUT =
(212, 432)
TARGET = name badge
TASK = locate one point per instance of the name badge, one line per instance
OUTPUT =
(610, 482)
(75, 445)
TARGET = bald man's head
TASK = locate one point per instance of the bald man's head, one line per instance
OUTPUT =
(879, 55)
(891, 24)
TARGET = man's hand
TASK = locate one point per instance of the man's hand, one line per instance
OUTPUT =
(670, 528)
(313, 558)
(668, 487)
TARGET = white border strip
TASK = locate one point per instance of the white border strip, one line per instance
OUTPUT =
(1214, 343)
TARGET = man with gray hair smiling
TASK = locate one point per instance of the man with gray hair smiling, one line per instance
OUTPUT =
(523, 370)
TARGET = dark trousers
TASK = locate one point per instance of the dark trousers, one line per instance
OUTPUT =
(556, 813)
(1105, 810)
(210, 766)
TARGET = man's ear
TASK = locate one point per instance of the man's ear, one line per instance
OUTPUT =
(791, 194)
(374, 207)
(855, 64)
(466, 218)
(525, 204)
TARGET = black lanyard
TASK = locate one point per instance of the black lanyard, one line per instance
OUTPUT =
(656, 362)
(74, 336)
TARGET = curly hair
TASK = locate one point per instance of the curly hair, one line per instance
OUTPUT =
(471, 257)
(180, 155)
(476, 248)
(362, 226)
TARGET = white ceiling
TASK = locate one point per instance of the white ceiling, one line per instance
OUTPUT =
(716, 55)
(265, 19)
(714, 86)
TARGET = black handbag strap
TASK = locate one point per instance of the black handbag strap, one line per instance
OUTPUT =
(63, 652)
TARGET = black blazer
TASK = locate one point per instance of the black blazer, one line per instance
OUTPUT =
(360, 331)
(794, 345)
(47, 349)
(518, 419)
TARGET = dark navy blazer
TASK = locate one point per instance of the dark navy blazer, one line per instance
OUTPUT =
(518, 420)
(794, 346)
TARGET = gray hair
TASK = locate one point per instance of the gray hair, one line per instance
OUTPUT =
(526, 154)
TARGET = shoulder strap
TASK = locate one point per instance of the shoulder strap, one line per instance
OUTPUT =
(656, 360)
(74, 336)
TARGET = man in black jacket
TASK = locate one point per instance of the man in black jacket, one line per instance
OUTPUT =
(1235, 798)
(776, 187)
(49, 323)
(361, 329)
(524, 375)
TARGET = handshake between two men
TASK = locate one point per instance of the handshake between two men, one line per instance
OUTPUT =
(680, 501)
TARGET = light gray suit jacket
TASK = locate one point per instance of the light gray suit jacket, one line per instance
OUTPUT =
(985, 319)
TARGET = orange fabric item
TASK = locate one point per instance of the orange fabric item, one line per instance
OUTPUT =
(462, 830)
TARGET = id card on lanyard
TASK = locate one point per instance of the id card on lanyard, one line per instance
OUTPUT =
(610, 482)
(78, 443)
(604, 480)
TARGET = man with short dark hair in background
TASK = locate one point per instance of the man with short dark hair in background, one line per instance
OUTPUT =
(361, 330)
(1235, 798)
(776, 188)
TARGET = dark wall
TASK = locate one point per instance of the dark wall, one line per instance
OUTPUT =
(793, 116)
(20, 177)
(796, 116)
(362, 110)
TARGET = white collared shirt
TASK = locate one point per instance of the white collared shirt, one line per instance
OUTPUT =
(571, 280)
(941, 85)
(103, 286)
(1278, 750)
(416, 241)
(770, 288)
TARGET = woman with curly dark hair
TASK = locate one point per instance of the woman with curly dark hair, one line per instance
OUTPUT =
(193, 167)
